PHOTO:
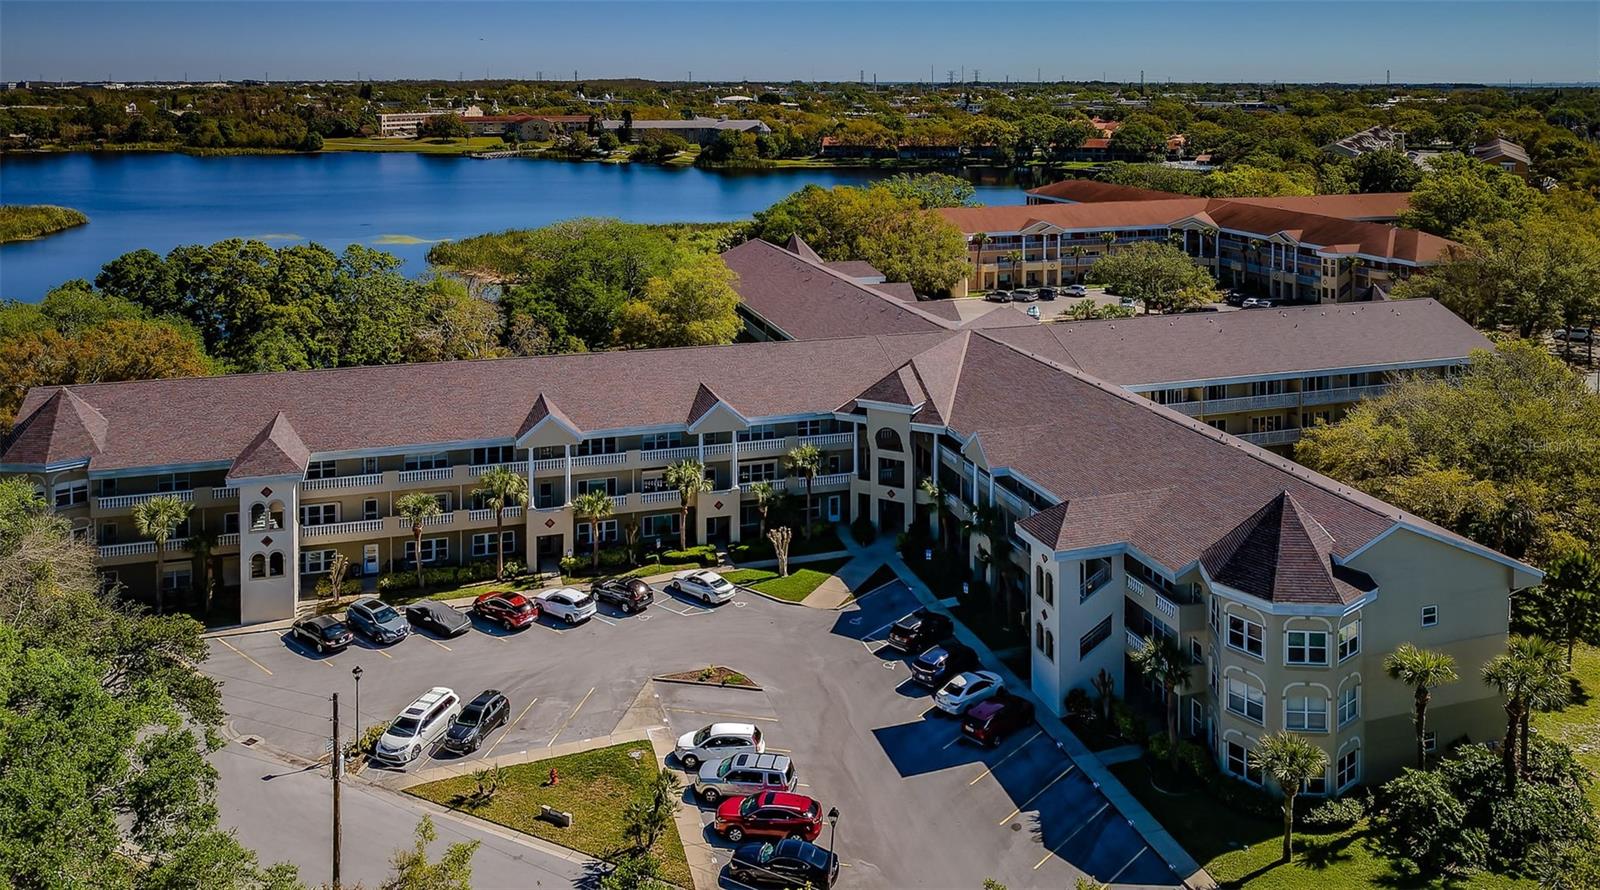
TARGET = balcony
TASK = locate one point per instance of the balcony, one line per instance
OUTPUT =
(761, 448)
(437, 474)
(519, 467)
(797, 484)
(1343, 394)
(1092, 584)
(1013, 503)
(1135, 642)
(614, 459)
(827, 440)
(369, 480)
(660, 497)
(488, 515)
(667, 455)
(549, 465)
(436, 521)
(142, 548)
(1166, 607)
(1249, 403)
(222, 493)
(1273, 437)
(619, 502)
(124, 501)
(714, 451)
(336, 529)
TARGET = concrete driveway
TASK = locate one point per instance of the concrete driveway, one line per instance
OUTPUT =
(918, 806)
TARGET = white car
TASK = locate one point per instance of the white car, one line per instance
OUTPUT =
(1075, 290)
(569, 604)
(967, 690)
(418, 727)
(708, 587)
(1128, 303)
(718, 741)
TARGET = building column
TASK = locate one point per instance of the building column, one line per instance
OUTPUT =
(566, 484)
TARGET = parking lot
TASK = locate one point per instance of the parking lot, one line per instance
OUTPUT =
(919, 807)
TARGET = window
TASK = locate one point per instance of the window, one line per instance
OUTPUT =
(658, 441)
(766, 471)
(433, 550)
(1049, 589)
(660, 525)
(761, 432)
(1247, 701)
(888, 440)
(230, 523)
(1170, 396)
(71, 494)
(607, 485)
(1266, 387)
(1196, 651)
(608, 532)
(437, 460)
(1306, 713)
(258, 566)
(1099, 634)
(369, 508)
(809, 428)
(1215, 393)
(1240, 764)
(1245, 636)
(316, 562)
(483, 544)
(1218, 425)
(176, 579)
(1310, 419)
(1316, 384)
(1430, 616)
(369, 466)
(1038, 635)
(321, 469)
(173, 482)
(274, 564)
(1307, 646)
(1349, 639)
(103, 488)
(1349, 703)
(319, 514)
(602, 445)
(1316, 787)
(497, 454)
(1347, 770)
(1430, 741)
(443, 497)
(1266, 423)
(1050, 645)
(891, 472)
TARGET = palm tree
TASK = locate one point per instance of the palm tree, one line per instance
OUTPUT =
(1078, 252)
(1014, 257)
(1109, 238)
(417, 507)
(765, 496)
(1161, 660)
(1421, 669)
(1291, 761)
(978, 242)
(593, 505)
(935, 507)
(689, 478)
(1525, 675)
(157, 519)
(501, 487)
(807, 461)
(203, 547)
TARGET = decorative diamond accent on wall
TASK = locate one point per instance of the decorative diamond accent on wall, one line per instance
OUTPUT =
(266, 492)
(891, 494)
(267, 541)
(718, 505)
(549, 523)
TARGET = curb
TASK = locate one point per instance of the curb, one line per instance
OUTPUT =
(705, 685)
(793, 560)
(767, 596)
(858, 597)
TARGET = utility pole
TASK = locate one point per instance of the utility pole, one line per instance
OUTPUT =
(338, 768)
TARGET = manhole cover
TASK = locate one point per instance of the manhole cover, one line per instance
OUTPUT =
(1016, 826)
(636, 753)
(247, 742)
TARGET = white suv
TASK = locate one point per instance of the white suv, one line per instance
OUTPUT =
(718, 741)
(569, 604)
(418, 727)
(708, 587)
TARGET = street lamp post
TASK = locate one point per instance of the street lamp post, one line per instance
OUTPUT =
(833, 831)
(356, 672)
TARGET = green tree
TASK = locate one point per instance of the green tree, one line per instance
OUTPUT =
(1160, 276)
(1528, 674)
(639, 871)
(1386, 170)
(1420, 822)
(688, 478)
(805, 461)
(157, 519)
(1422, 670)
(501, 487)
(411, 869)
(593, 506)
(931, 191)
(417, 508)
(692, 305)
(1137, 139)
(1564, 609)
(1458, 192)
(443, 126)
(647, 818)
(1161, 661)
(764, 496)
(1290, 761)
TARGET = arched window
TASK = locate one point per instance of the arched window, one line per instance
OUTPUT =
(1050, 645)
(277, 514)
(258, 566)
(888, 440)
(1038, 635)
(275, 564)
(1038, 581)
(1050, 589)
(258, 517)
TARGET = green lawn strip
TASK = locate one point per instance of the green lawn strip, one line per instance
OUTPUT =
(422, 146)
(455, 591)
(1242, 851)
(595, 787)
(803, 579)
(635, 572)
(24, 222)
(1579, 725)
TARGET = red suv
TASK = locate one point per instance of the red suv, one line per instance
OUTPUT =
(776, 814)
(989, 722)
(509, 610)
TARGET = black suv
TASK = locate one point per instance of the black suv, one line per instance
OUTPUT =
(919, 630)
(939, 663)
(483, 715)
(788, 863)
(628, 594)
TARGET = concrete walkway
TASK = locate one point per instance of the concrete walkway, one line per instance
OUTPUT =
(1184, 867)
(846, 583)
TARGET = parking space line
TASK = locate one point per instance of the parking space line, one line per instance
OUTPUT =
(549, 628)
(722, 714)
(383, 653)
(605, 620)
(1024, 805)
(568, 721)
(326, 661)
(437, 643)
(1014, 752)
(507, 730)
(245, 657)
(1050, 855)
(947, 745)
(1129, 865)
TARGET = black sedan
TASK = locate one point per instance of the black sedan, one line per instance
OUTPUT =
(939, 663)
(787, 863)
(628, 594)
(483, 715)
(324, 633)
(438, 617)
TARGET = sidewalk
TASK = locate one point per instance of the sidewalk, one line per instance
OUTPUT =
(1183, 865)
(846, 583)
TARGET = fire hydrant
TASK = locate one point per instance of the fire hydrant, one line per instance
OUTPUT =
(555, 778)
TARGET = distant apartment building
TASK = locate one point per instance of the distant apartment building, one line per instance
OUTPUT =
(1371, 139)
(528, 127)
(1506, 155)
(699, 130)
(405, 123)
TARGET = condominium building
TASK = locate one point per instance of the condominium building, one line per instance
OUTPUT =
(1123, 518)
(1322, 248)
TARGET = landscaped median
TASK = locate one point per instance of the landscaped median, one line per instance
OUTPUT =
(802, 580)
(594, 786)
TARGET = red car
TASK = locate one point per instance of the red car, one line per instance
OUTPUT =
(989, 722)
(509, 610)
(776, 814)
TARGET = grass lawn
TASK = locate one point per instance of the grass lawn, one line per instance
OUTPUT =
(456, 591)
(424, 146)
(595, 788)
(1579, 725)
(1242, 851)
(803, 579)
(24, 222)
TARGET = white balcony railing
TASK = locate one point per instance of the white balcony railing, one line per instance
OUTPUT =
(1136, 586)
(140, 548)
(549, 465)
(1275, 437)
(441, 519)
(600, 460)
(1166, 607)
(332, 529)
(224, 493)
(668, 455)
(721, 450)
(660, 497)
(437, 474)
(1343, 394)
(488, 515)
(121, 501)
(364, 481)
(797, 484)
(762, 447)
(619, 501)
(231, 539)
(826, 440)
(519, 467)
(1135, 642)
(1013, 503)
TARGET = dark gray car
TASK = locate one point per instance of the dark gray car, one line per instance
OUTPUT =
(377, 620)
(438, 617)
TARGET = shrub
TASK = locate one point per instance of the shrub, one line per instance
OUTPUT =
(863, 530)
(1195, 759)
(1417, 821)
(1336, 814)
(704, 556)
(367, 742)
(1129, 725)
(1079, 704)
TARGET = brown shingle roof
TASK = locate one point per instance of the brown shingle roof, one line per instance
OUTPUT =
(807, 300)
(64, 428)
(1113, 214)
(275, 451)
(855, 269)
(1282, 554)
(1371, 206)
(1090, 191)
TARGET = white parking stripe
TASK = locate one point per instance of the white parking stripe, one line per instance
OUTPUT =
(1024, 805)
(1048, 856)
(606, 620)
(996, 765)
(1129, 865)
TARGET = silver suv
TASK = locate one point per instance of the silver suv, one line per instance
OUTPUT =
(418, 727)
(744, 774)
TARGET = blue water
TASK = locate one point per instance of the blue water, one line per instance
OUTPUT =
(159, 201)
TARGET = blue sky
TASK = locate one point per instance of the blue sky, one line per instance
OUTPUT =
(1289, 40)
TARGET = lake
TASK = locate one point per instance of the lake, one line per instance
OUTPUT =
(398, 202)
